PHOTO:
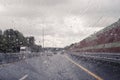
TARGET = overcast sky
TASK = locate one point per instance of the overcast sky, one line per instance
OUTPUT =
(64, 21)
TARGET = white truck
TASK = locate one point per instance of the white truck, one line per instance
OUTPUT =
(25, 49)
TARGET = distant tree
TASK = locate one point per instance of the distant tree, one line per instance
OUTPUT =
(1, 43)
(36, 48)
(30, 41)
(12, 40)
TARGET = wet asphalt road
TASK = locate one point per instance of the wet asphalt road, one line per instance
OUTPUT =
(58, 67)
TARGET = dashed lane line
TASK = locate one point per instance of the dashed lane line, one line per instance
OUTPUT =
(24, 77)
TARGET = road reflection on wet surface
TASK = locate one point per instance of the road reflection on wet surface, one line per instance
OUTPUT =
(58, 67)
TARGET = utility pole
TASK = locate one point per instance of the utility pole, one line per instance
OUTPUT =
(43, 37)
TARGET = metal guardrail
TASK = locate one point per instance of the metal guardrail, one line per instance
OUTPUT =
(110, 57)
(14, 57)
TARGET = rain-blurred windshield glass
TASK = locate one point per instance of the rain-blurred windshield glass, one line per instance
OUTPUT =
(59, 39)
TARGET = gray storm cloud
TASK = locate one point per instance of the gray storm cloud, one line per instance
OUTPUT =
(64, 21)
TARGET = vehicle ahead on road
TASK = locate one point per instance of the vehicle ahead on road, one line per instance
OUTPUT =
(54, 52)
(63, 51)
(48, 53)
(25, 49)
(58, 52)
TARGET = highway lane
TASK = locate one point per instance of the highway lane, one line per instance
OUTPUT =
(57, 67)
(107, 70)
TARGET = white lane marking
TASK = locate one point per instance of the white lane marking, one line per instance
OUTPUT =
(24, 77)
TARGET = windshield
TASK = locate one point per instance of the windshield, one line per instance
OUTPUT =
(59, 40)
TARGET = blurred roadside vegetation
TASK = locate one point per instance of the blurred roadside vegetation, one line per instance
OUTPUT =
(11, 41)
